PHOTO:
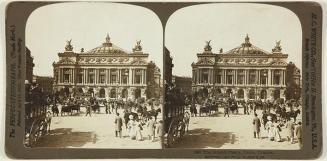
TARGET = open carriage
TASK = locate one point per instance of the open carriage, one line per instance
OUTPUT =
(37, 119)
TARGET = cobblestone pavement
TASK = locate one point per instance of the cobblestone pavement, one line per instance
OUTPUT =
(97, 131)
(234, 132)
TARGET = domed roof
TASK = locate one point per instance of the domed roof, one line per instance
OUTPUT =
(247, 48)
(107, 48)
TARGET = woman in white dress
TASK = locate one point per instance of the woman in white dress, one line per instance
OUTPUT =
(132, 127)
(270, 128)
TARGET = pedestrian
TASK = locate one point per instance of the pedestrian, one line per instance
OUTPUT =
(277, 129)
(118, 125)
(298, 133)
(159, 128)
(139, 128)
(290, 127)
(246, 108)
(256, 126)
(151, 129)
(270, 128)
(131, 125)
(226, 110)
(88, 109)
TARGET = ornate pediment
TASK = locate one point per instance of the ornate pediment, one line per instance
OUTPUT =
(205, 61)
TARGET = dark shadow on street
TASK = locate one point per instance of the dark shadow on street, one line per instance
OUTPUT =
(203, 138)
(64, 137)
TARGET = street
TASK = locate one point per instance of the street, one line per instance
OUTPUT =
(97, 131)
(234, 132)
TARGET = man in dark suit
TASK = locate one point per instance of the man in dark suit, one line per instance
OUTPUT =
(298, 133)
(256, 126)
(118, 125)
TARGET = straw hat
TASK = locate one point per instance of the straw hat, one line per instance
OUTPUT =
(269, 118)
(131, 117)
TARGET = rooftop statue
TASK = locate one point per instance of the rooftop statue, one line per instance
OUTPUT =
(277, 48)
(69, 46)
(138, 46)
(208, 46)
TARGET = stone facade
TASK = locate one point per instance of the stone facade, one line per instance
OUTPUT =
(107, 71)
(245, 72)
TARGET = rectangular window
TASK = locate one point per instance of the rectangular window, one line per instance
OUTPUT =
(252, 77)
(205, 75)
(138, 76)
(124, 76)
(80, 76)
(66, 75)
(229, 79)
(91, 76)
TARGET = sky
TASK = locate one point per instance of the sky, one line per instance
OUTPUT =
(226, 25)
(87, 24)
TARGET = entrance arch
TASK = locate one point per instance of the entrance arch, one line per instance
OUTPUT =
(112, 93)
(102, 93)
(124, 93)
(251, 94)
(276, 94)
(229, 92)
(263, 94)
(66, 91)
(137, 93)
(240, 94)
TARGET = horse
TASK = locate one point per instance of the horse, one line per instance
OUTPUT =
(204, 109)
(76, 107)
(65, 109)
(292, 114)
(234, 108)
(95, 107)
(54, 110)
(213, 107)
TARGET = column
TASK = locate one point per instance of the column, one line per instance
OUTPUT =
(145, 80)
(129, 76)
(272, 77)
(73, 75)
(236, 73)
(198, 76)
(106, 77)
(225, 76)
(269, 77)
(284, 79)
(259, 74)
(59, 75)
(109, 76)
(87, 76)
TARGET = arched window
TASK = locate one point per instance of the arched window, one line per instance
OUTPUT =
(251, 94)
(102, 93)
(276, 94)
(124, 93)
(263, 94)
(137, 93)
(240, 94)
(112, 93)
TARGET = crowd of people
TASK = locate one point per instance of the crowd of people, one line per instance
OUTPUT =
(139, 117)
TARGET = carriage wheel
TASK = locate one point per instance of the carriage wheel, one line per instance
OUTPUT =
(34, 133)
(182, 130)
(172, 134)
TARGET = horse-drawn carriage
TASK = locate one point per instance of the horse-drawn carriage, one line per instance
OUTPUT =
(37, 118)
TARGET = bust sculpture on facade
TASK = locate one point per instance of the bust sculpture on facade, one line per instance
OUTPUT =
(69, 46)
(208, 46)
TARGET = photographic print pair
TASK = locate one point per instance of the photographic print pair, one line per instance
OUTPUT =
(121, 76)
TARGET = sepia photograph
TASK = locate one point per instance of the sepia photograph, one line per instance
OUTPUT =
(93, 77)
(233, 78)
